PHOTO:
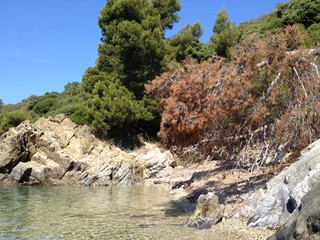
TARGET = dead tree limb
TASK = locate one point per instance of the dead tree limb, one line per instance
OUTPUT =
(273, 83)
(301, 83)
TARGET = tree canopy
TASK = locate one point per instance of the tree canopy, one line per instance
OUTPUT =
(222, 22)
(133, 51)
(225, 34)
(305, 12)
(187, 43)
(168, 10)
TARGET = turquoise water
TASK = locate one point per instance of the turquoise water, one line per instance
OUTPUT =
(118, 212)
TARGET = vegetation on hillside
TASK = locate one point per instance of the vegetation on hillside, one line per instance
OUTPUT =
(252, 85)
(266, 95)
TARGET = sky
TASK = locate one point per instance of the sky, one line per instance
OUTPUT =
(44, 44)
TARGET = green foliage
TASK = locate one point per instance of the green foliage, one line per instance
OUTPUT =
(45, 103)
(226, 35)
(222, 22)
(187, 43)
(222, 42)
(168, 11)
(12, 119)
(306, 12)
(267, 23)
(31, 101)
(69, 102)
(79, 115)
(72, 88)
(134, 49)
(312, 39)
(111, 106)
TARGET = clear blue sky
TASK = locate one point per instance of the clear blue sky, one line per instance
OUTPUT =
(47, 43)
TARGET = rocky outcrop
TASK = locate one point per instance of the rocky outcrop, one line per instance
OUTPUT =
(55, 151)
(208, 212)
(304, 223)
(283, 194)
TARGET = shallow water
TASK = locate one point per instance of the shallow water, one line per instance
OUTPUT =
(117, 212)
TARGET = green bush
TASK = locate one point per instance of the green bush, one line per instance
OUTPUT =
(312, 39)
(12, 119)
(306, 12)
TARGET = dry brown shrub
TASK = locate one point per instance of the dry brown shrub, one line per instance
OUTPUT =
(265, 97)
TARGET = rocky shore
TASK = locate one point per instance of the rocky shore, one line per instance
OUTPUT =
(260, 203)
(55, 151)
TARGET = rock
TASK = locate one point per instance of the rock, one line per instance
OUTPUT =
(155, 160)
(208, 212)
(304, 223)
(284, 192)
(65, 131)
(55, 151)
(15, 148)
(251, 202)
(20, 173)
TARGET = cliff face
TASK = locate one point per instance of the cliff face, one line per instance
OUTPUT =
(55, 151)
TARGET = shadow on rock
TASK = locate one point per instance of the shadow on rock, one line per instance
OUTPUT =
(180, 207)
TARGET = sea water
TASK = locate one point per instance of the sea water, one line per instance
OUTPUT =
(114, 212)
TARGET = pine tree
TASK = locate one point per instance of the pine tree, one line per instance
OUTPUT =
(133, 51)
(225, 34)
(187, 43)
(222, 22)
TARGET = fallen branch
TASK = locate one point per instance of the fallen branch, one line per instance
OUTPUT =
(301, 83)
(316, 68)
(261, 64)
(273, 83)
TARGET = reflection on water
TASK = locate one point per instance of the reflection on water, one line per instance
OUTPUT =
(118, 212)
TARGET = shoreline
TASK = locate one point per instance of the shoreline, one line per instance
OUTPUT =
(187, 183)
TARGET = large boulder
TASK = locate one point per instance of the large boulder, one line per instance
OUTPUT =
(55, 151)
(284, 192)
(208, 212)
(304, 222)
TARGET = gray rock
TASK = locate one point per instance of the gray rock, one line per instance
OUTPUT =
(251, 201)
(21, 173)
(304, 223)
(89, 180)
(155, 159)
(208, 212)
(285, 191)
(56, 151)
(14, 147)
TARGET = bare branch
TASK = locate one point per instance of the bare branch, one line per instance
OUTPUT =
(261, 64)
(316, 68)
(273, 83)
(301, 83)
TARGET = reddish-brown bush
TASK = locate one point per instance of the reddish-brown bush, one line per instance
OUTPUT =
(265, 96)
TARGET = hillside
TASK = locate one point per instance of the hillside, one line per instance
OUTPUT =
(258, 93)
